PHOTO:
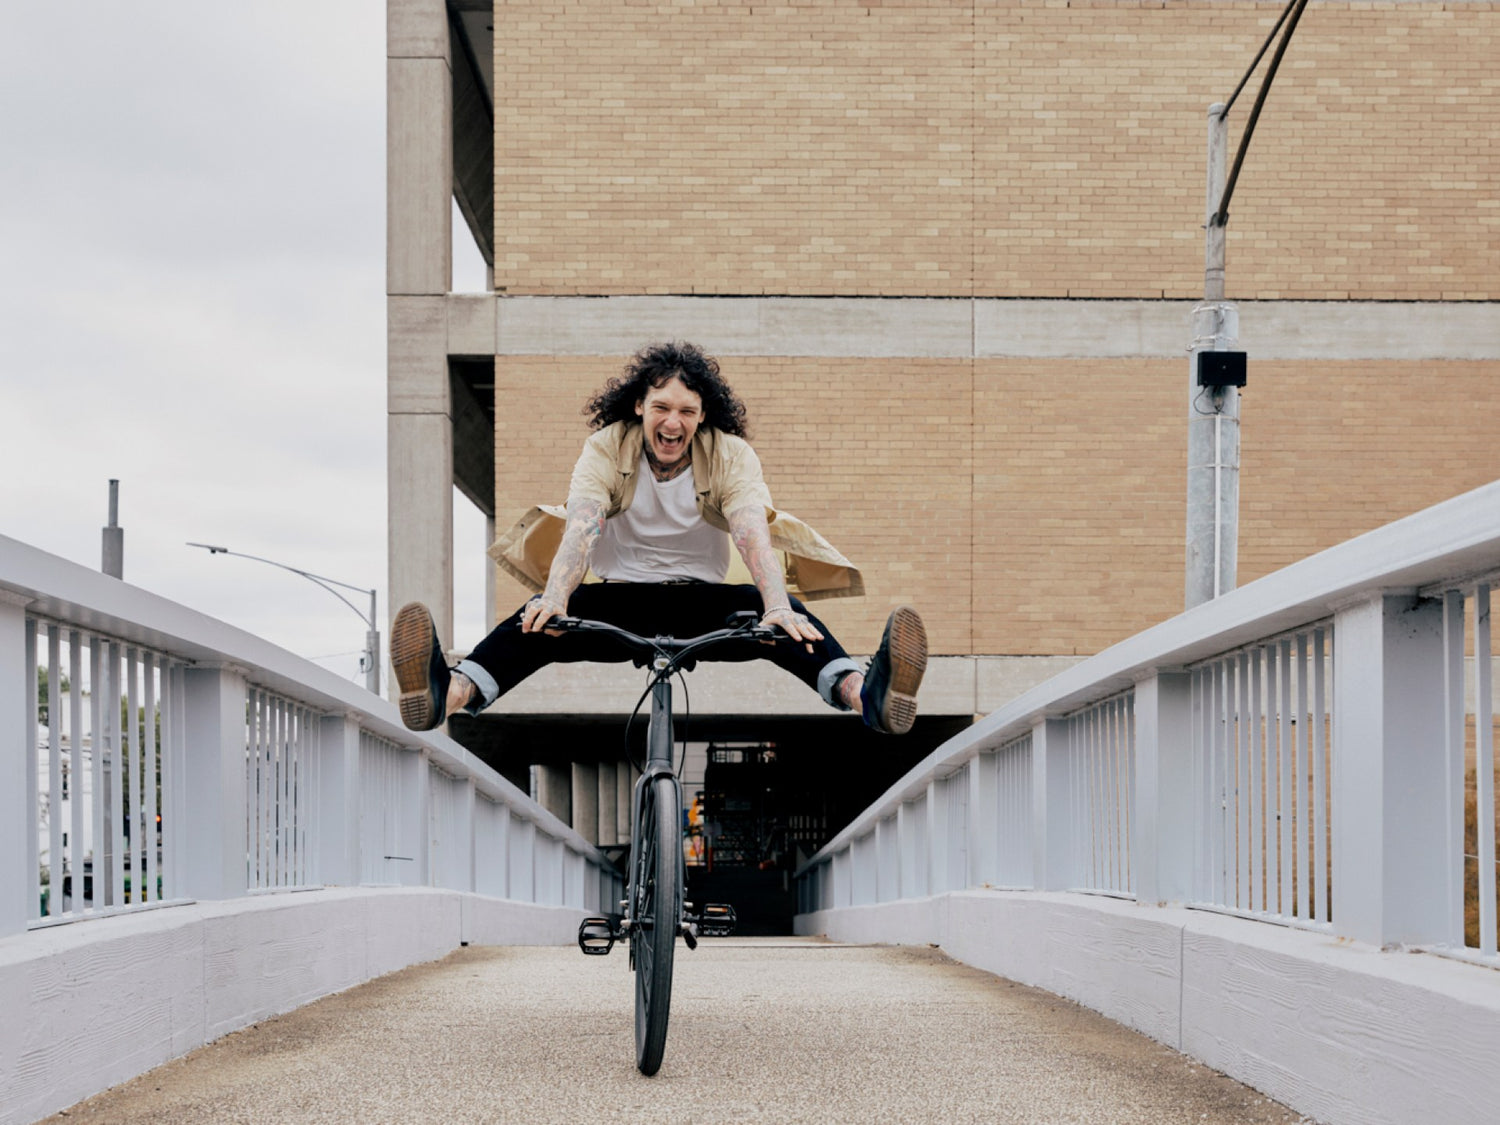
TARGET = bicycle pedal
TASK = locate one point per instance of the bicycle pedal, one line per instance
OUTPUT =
(717, 920)
(596, 935)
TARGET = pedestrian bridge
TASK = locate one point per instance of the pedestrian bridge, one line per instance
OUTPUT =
(1247, 832)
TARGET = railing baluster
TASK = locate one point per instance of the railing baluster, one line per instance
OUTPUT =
(119, 725)
(1320, 781)
(1254, 715)
(54, 771)
(76, 773)
(171, 694)
(1286, 755)
(33, 780)
(1130, 789)
(150, 861)
(97, 875)
(1484, 765)
(1453, 762)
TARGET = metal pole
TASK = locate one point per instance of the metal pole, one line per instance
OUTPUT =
(1213, 413)
(112, 561)
(372, 644)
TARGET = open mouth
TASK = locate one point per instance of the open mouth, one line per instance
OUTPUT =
(668, 445)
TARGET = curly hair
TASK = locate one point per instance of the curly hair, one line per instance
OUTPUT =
(654, 366)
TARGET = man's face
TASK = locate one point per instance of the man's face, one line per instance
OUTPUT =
(670, 414)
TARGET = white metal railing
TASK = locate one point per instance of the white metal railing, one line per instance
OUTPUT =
(1472, 864)
(1101, 741)
(281, 778)
(174, 758)
(1012, 816)
(388, 820)
(1262, 760)
(105, 748)
(1234, 759)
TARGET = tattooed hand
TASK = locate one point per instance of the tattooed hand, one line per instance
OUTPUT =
(540, 610)
(793, 624)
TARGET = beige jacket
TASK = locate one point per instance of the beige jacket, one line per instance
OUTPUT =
(726, 476)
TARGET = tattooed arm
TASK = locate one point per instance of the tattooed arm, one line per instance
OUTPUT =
(569, 565)
(752, 538)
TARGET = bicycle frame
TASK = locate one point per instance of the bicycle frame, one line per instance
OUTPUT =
(659, 744)
(654, 910)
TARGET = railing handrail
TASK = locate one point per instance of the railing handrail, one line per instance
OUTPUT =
(59, 590)
(1450, 541)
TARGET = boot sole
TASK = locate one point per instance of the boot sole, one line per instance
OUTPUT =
(412, 639)
(908, 653)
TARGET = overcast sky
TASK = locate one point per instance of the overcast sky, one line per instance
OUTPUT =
(192, 300)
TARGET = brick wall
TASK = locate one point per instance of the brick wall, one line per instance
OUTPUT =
(1015, 148)
(1037, 506)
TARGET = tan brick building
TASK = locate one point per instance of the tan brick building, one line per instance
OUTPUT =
(947, 252)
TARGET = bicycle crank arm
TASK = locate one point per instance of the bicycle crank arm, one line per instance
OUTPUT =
(689, 934)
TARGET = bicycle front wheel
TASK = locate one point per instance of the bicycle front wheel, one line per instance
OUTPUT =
(657, 911)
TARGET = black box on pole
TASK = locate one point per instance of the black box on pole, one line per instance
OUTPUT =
(1221, 369)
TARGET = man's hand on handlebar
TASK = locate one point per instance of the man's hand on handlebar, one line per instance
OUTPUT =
(539, 611)
(795, 625)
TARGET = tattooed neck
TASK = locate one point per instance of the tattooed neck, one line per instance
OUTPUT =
(668, 472)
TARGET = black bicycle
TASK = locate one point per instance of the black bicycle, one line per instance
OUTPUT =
(653, 912)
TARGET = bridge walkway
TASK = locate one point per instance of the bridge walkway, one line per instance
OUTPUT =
(763, 1029)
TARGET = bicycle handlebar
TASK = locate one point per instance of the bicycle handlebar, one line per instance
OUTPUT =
(670, 649)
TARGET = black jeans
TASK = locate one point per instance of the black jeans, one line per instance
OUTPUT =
(508, 655)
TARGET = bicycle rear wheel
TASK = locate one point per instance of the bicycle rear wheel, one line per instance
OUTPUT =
(656, 911)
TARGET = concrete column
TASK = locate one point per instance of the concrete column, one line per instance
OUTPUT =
(419, 190)
(420, 459)
(17, 744)
(1052, 830)
(213, 778)
(553, 790)
(609, 804)
(338, 801)
(1388, 795)
(419, 148)
(626, 776)
(584, 784)
(1161, 836)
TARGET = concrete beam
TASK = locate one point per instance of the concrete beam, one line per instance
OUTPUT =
(416, 356)
(756, 688)
(473, 324)
(990, 329)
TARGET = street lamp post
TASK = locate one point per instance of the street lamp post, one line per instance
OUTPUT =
(371, 658)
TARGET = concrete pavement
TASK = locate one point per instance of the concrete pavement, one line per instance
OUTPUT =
(763, 1030)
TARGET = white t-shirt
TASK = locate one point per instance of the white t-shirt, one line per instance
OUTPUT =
(661, 536)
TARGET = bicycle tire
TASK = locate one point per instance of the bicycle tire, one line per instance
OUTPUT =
(657, 911)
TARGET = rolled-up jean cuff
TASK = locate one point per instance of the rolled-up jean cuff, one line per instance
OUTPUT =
(829, 677)
(489, 690)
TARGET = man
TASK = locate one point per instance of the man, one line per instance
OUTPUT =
(663, 487)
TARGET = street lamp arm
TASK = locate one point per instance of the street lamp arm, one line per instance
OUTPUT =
(326, 583)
